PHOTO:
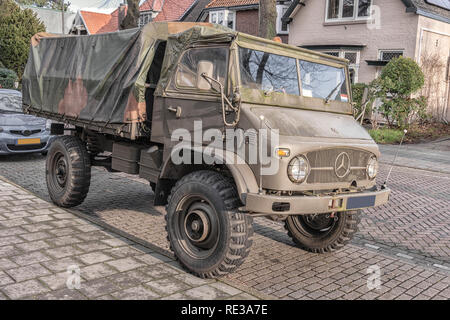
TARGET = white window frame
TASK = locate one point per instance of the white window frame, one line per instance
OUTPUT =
(148, 15)
(355, 12)
(280, 13)
(381, 51)
(226, 14)
(354, 66)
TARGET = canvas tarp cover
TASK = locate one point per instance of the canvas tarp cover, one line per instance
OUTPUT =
(102, 77)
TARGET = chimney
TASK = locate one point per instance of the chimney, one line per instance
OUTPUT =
(121, 13)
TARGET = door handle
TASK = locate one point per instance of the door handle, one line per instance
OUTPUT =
(176, 110)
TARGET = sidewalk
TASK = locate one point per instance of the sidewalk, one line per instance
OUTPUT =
(44, 248)
(433, 156)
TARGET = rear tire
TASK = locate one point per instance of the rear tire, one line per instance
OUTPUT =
(206, 231)
(68, 171)
(321, 233)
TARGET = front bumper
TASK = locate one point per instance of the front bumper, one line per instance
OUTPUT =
(8, 143)
(295, 205)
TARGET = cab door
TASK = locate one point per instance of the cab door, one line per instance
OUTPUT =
(185, 105)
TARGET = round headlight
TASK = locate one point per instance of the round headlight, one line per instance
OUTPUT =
(372, 168)
(298, 169)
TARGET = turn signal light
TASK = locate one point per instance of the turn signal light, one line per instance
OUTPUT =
(283, 152)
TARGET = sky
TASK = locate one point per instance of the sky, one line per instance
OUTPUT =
(105, 6)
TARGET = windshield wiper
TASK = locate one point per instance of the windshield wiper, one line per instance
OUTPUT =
(327, 99)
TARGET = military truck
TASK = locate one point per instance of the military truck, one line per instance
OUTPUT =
(139, 100)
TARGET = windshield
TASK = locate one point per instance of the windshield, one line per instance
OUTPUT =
(267, 71)
(322, 81)
(10, 101)
(272, 72)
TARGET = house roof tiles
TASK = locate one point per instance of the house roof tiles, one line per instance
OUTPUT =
(154, 5)
(231, 3)
(96, 22)
(173, 10)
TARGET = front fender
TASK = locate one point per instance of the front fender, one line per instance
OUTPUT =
(242, 174)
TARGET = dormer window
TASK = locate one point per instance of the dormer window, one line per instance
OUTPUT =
(226, 18)
(347, 10)
(144, 18)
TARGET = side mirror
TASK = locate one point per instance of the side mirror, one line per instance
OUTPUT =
(207, 68)
(365, 95)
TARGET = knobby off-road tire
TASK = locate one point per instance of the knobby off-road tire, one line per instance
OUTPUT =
(207, 233)
(68, 171)
(322, 233)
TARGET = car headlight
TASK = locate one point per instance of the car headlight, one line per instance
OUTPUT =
(48, 125)
(372, 168)
(298, 169)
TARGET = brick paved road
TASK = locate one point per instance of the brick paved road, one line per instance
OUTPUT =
(38, 242)
(408, 239)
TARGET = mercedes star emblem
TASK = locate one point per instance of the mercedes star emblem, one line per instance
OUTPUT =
(342, 165)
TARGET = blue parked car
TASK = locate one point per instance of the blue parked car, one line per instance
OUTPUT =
(21, 133)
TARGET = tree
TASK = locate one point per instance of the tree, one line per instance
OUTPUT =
(132, 18)
(267, 19)
(17, 26)
(51, 4)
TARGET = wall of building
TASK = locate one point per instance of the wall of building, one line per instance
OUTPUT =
(397, 30)
(247, 21)
(433, 54)
(52, 19)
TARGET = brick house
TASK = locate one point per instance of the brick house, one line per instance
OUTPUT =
(371, 32)
(89, 22)
(242, 15)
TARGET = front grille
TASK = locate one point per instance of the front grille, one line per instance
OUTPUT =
(25, 147)
(25, 133)
(323, 163)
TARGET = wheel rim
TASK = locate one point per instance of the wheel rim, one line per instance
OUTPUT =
(60, 170)
(197, 226)
(314, 225)
(59, 173)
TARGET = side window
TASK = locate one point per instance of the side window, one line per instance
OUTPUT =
(186, 75)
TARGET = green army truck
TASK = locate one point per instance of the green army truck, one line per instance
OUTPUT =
(225, 126)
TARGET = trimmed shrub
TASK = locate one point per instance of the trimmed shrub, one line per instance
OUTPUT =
(399, 80)
(7, 78)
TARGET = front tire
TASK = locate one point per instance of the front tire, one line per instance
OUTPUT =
(322, 233)
(68, 171)
(207, 233)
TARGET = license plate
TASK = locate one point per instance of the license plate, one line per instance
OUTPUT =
(360, 202)
(29, 141)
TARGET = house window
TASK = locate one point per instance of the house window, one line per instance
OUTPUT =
(144, 18)
(353, 59)
(388, 55)
(351, 56)
(223, 17)
(347, 10)
(332, 53)
(282, 28)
